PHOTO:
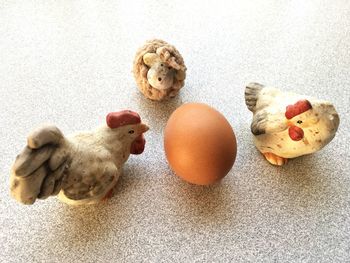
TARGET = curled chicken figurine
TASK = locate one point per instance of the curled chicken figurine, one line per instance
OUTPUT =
(82, 168)
(287, 125)
(159, 70)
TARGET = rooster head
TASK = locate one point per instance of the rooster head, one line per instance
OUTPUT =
(131, 127)
(295, 119)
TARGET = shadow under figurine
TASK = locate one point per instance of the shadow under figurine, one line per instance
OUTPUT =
(287, 125)
(159, 70)
(82, 168)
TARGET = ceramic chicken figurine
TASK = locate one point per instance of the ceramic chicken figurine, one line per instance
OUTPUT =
(80, 169)
(159, 70)
(288, 125)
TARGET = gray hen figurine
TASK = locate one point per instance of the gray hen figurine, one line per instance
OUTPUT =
(80, 169)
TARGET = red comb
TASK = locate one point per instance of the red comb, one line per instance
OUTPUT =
(121, 118)
(297, 108)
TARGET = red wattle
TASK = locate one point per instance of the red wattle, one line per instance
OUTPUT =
(295, 133)
(138, 145)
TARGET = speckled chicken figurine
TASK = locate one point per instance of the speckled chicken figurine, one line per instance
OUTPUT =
(287, 125)
(80, 169)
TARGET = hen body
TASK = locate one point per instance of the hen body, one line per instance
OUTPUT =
(289, 125)
(82, 168)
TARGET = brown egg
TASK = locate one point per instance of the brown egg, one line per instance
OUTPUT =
(199, 143)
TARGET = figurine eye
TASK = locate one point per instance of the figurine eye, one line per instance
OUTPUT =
(161, 65)
(131, 131)
(299, 122)
(159, 79)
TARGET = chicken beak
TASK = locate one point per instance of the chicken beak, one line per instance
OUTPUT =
(143, 128)
(289, 123)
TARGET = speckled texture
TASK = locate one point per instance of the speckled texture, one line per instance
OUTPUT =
(69, 62)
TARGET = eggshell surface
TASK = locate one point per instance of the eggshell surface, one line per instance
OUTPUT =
(200, 144)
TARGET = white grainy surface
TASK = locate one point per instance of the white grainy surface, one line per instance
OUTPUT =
(69, 62)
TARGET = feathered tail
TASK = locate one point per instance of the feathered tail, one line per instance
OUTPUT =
(38, 170)
(251, 95)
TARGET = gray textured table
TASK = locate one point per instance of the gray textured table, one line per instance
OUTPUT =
(63, 61)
